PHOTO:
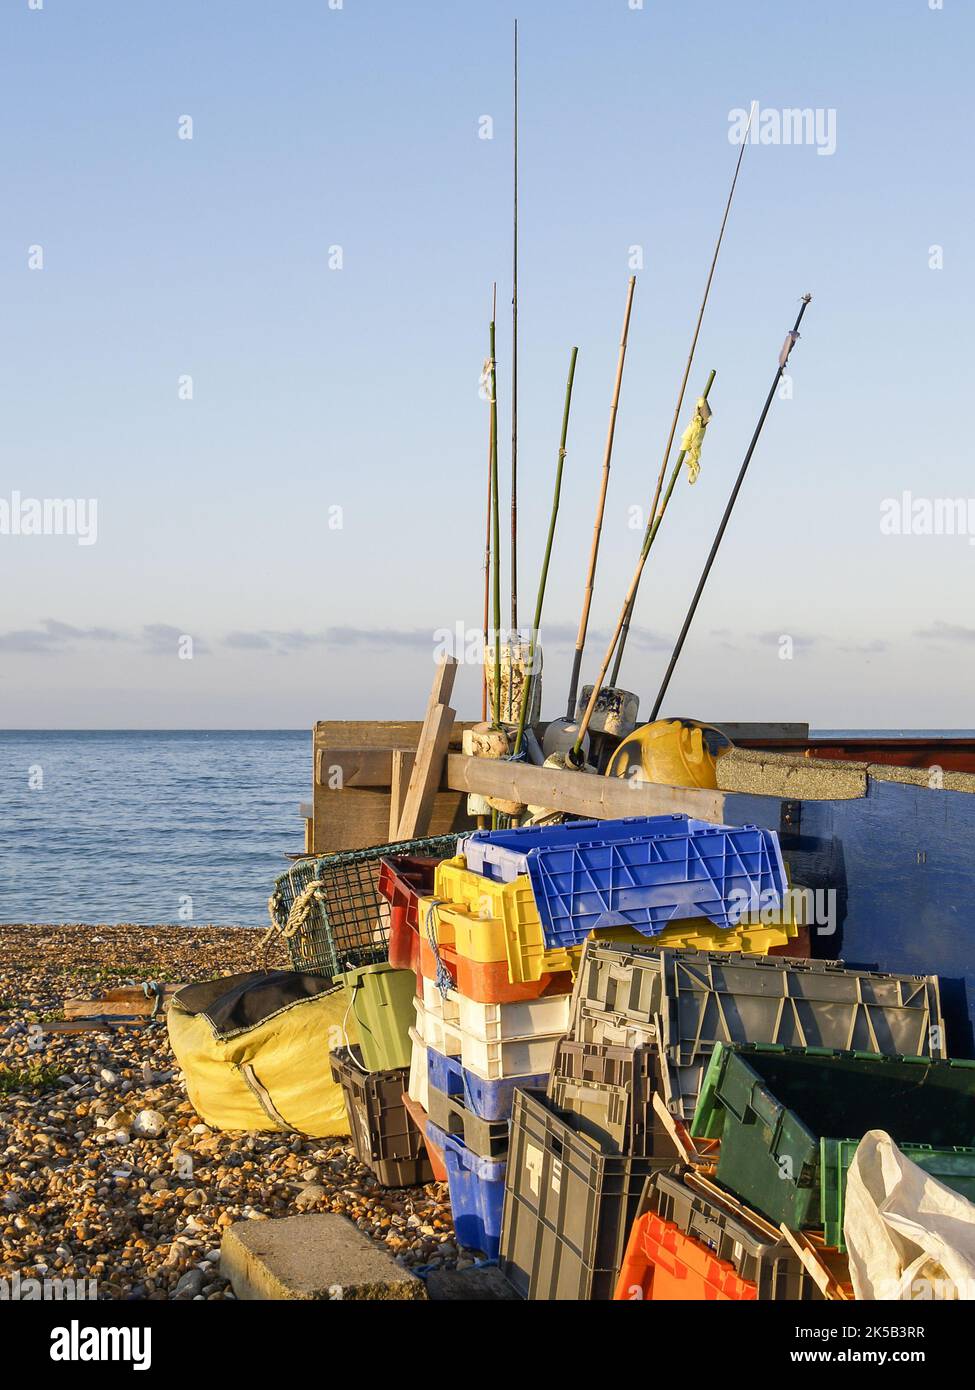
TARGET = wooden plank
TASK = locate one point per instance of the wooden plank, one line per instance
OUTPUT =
(605, 798)
(125, 1001)
(427, 771)
(431, 750)
(400, 774)
(354, 767)
(356, 818)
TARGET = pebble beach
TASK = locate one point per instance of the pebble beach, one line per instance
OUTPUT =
(91, 1189)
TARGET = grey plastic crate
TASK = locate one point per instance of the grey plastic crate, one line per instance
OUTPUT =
(568, 1204)
(486, 1138)
(685, 1002)
(710, 997)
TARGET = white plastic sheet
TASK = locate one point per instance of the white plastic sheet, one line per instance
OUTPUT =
(908, 1236)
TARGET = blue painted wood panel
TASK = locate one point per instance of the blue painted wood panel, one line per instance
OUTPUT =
(902, 862)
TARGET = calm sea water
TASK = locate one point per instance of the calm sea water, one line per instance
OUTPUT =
(148, 826)
(154, 826)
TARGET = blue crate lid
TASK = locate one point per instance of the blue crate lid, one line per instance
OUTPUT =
(718, 872)
(501, 855)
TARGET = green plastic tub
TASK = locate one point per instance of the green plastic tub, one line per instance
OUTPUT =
(955, 1167)
(381, 1000)
(772, 1106)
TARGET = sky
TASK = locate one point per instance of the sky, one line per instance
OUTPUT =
(246, 261)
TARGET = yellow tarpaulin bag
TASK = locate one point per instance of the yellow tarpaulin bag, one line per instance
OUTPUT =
(254, 1051)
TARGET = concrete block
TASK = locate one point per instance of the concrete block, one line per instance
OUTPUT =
(320, 1256)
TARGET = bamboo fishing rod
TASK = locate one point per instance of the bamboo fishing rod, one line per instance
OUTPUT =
(600, 509)
(543, 577)
(514, 373)
(649, 538)
(792, 338)
(683, 385)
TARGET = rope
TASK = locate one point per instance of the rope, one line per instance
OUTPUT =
(693, 438)
(444, 981)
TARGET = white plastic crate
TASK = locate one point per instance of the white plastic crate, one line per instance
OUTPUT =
(506, 1057)
(444, 1006)
(523, 1019)
(419, 1084)
(433, 1032)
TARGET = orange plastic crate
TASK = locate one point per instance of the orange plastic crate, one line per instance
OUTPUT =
(487, 981)
(663, 1264)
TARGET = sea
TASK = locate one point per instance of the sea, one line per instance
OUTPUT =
(161, 826)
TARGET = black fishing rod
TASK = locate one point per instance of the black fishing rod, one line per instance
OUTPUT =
(790, 342)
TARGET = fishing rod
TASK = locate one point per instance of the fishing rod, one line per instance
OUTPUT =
(600, 509)
(683, 385)
(792, 337)
(495, 531)
(530, 673)
(701, 417)
(487, 542)
(514, 373)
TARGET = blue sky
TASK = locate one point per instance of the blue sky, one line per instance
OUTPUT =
(356, 388)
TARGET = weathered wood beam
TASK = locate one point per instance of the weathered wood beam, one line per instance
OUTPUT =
(605, 798)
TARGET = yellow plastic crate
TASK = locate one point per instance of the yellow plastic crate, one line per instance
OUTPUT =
(488, 921)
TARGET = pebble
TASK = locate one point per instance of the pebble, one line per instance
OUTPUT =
(84, 1194)
(148, 1124)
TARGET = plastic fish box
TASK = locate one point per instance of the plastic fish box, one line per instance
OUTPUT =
(487, 981)
(611, 1090)
(662, 1264)
(709, 998)
(719, 872)
(503, 854)
(486, 1138)
(503, 1057)
(381, 1001)
(687, 1002)
(383, 1135)
(419, 1070)
(491, 1100)
(740, 1240)
(771, 1107)
(569, 1205)
(403, 880)
(419, 1117)
(955, 1167)
(476, 1193)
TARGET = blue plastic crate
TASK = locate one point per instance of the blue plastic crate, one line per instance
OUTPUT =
(717, 872)
(489, 1100)
(502, 855)
(476, 1192)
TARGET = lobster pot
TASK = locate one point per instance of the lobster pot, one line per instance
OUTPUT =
(330, 912)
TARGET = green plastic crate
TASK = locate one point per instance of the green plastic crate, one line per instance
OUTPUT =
(771, 1106)
(955, 1167)
(381, 1001)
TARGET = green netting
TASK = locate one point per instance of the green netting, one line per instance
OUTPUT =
(329, 909)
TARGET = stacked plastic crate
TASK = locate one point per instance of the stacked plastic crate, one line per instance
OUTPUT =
(499, 941)
(607, 1155)
(347, 921)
